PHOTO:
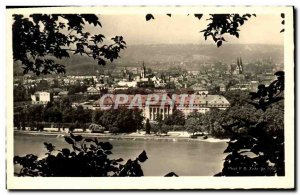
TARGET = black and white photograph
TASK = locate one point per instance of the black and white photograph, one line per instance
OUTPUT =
(150, 98)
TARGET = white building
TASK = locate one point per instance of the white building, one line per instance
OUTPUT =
(93, 90)
(127, 83)
(41, 97)
(187, 105)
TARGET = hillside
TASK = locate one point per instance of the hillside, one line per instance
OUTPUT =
(188, 56)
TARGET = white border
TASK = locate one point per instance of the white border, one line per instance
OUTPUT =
(160, 182)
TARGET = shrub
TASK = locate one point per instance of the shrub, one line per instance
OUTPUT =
(166, 128)
(178, 128)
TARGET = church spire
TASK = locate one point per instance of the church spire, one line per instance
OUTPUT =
(143, 71)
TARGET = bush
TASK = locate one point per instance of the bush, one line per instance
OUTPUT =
(71, 128)
(96, 128)
(166, 128)
(155, 128)
(178, 128)
(113, 129)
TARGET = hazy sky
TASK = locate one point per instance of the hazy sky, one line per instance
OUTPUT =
(263, 29)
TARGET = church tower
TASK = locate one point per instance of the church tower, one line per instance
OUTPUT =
(143, 71)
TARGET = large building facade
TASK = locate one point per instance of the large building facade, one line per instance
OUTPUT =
(153, 105)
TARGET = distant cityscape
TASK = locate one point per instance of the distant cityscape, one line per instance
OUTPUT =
(85, 90)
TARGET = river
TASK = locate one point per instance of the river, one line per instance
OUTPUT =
(184, 157)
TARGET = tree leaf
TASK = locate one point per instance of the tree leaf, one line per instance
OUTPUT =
(199, 16)
(142, 157)
(88, 140)
(119, 160)
(65, 151)
(171, 174)
(149, 17)
(69, 140)
(106, 146)
(78, 138)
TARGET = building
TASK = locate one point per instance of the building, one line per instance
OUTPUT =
(199, 89)
(41, 97)
(127, 83)
(201, 103)
(92, 91)
(222, 87)
(154, 104)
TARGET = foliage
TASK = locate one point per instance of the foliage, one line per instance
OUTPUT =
(178, 127)
(53, 112)
(165, 129)
(176, 118)
(283, 21)
(77, 88)
(147, 127)
(41, 39)
(219, 25)
(20, 93)
(119, 120)
(96, 128)
(85, 157)
(267, 95)
(192, 125)
(222, 24)
(258, 150)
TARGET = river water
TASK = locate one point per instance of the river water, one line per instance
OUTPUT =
(184, 157)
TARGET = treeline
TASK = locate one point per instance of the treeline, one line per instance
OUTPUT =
(59, 113)
(119, 120)
(62, 115)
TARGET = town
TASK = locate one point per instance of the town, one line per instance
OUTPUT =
(84, 92)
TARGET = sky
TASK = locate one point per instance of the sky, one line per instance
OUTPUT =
(183, 29)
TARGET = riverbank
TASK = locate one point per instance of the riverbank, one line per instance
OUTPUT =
(171, 136)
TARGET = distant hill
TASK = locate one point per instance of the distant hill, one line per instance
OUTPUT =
(189, 56)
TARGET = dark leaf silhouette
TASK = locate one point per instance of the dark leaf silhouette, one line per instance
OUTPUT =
(66, 152)
(258, 151)
(82, 162)
(38, 49)
(106, 146)
(78, 138)
(69, 140)
(199, 16)
(149, 17)
(221, 24)
(171, 174)
(142, 157)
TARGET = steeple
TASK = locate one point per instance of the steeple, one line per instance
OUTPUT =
(143, 71)
(241, 66)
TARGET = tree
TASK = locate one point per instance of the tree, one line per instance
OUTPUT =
(259, 150)
(20, 93)
(176, 118)
(39, 40)
(192, 125)
(147, 127)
